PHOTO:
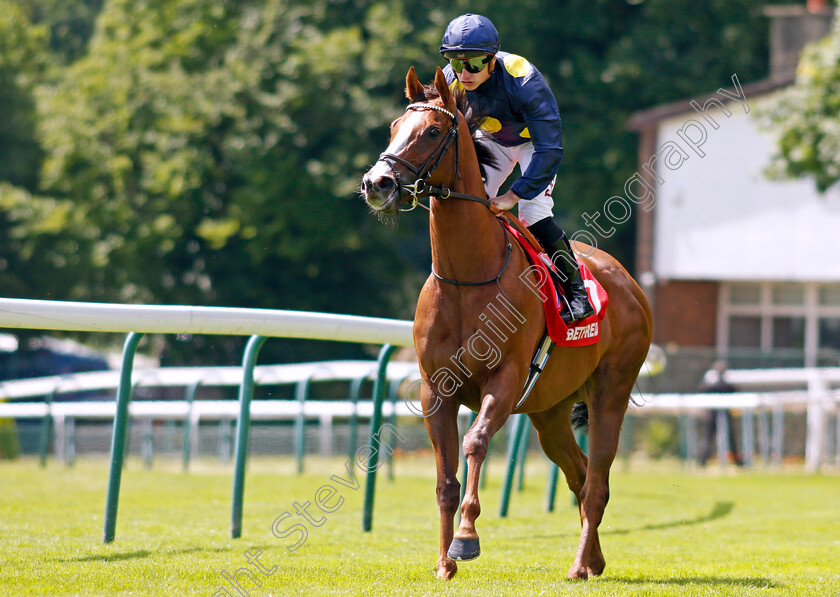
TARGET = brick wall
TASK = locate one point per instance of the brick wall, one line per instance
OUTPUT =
(685, 312)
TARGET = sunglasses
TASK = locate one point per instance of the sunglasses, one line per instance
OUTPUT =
(473, 65)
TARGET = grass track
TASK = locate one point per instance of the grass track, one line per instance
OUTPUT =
(666, 532)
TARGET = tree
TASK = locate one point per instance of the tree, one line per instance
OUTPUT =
(209, 153)
(806, 119)
(69, 24)
(23, 60)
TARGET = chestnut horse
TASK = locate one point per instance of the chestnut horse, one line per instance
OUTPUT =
(478, 326)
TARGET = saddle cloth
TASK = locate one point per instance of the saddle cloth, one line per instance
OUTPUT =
(582, 333)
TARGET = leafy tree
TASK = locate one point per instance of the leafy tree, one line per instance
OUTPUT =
(69, 24)
(210, 154)
(23, 60)
(807, 117)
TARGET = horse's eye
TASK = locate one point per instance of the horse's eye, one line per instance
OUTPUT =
(434, 132)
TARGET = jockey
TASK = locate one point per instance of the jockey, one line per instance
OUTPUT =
(522, 123)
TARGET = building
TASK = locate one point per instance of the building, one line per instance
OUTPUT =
(734, 263)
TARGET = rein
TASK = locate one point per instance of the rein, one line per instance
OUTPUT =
(420, 188)
(494, 279)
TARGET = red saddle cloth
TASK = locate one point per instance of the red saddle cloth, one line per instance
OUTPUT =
(582, 333)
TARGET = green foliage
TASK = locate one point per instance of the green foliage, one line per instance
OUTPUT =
(806, 119)
(23, 58)
(661, 438)
(9, 442)
(194, 152)
(212, 153)
(69, 23)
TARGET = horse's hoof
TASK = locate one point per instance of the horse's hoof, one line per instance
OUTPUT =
(464, 549)
(578, 573)
(447, 570)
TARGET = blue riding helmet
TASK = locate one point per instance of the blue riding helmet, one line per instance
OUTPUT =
(470, 35)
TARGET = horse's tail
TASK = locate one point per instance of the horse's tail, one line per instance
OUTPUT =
(580, 416)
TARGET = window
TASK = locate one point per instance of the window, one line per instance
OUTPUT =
(829, 333)
(788, 332)
(788, 294)
(799, 322)
(745, 332)
(829, 295)
(745, 294)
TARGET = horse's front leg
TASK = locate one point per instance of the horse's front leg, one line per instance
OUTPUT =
(496, 407)
(441, 420)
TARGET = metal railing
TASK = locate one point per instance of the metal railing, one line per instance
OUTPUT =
(259, 324)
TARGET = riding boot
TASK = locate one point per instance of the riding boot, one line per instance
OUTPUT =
(554, 241)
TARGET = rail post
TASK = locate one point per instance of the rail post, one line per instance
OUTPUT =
(118, 440)
(551, 492)
(46, 426)
(393, 391)
(301, 394)
(246, 392)
(379, 388)
(516, 434)
(190, 398)
(355, 391)
(778, 434)
(523, 453)
(747, 438)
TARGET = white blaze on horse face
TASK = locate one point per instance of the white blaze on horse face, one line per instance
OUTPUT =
(398, 144)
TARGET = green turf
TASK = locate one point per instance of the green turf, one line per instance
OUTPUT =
(666, 532)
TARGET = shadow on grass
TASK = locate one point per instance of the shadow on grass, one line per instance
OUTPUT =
(719, 510)
(755, 582)
(145, 553)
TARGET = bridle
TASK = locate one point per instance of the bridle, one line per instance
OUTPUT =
(420, 188)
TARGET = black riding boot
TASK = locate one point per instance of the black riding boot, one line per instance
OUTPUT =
(555, 243)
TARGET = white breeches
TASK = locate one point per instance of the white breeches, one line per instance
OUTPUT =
(530, 210)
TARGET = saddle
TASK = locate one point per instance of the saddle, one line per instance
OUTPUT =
(581, 333)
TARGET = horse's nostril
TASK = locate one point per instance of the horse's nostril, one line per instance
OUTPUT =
(385, 183)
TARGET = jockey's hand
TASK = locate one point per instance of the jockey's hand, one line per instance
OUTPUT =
(506, 201)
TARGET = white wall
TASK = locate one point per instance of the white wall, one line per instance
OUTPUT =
(718, 217)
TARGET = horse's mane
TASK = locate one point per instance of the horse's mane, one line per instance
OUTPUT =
(485, 156)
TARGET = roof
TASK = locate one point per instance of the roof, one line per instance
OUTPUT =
(644, 119)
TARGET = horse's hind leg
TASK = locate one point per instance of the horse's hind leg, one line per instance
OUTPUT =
(559, 444)
(607, 404)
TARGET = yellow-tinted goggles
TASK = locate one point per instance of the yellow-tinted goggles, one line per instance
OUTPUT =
(473, 65)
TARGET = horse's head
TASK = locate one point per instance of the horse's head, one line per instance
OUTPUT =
(417, 152)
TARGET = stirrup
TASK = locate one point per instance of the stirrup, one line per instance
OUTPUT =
(568, 314)
(565, 310)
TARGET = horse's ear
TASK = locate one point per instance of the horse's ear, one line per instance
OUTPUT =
(443, 89)
(413, 88)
